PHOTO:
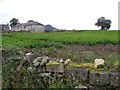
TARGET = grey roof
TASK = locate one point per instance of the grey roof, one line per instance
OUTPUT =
(29, 24)
(49, 28)
(3, 24)
(20, 24)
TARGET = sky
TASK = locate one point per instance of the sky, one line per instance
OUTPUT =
(61, 14)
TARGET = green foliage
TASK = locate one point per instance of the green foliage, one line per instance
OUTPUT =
(13, 22)
(58, 39)
(62, 83)
(103, 23)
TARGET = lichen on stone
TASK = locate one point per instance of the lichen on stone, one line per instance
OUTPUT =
(98, 70)
(91, 65)
(73, 65)
(53, 63)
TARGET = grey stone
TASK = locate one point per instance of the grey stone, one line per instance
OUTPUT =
(99, 78)
(28, 54)
(28, 57)
(115, 79)
(45, 74)
(60, 75)
(77, 73)
(35, 61)
(31, 69)
(55, 68)
(45, 60)
(40, 69)
(36, 64)
(82, 87)
(61, 60)
(38, 59)
(94, 78)
(104, 79)
(54, 60)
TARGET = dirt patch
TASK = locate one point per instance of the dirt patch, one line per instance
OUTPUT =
(96, 48)
(82, 53)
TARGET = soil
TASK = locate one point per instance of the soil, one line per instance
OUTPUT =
(96, 48)
(82, 53)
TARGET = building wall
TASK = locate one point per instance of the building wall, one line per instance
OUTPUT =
(15, 28)
(4, 27)
(39, 28)
(32, 28)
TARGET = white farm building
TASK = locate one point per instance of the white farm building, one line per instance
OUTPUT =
(32, 26)
(29, 27)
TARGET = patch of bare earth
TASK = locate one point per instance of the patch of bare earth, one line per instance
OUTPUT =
(98, 49)
(82, 53)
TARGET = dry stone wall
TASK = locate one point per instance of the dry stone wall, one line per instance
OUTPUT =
(47, 66)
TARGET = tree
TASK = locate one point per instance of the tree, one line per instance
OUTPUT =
(13, 22)
(103, 23)
(30, 21)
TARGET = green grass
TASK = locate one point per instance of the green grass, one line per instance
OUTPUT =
(58, 39)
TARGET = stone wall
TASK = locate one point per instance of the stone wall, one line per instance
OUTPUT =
(94, 79)
(85, 73)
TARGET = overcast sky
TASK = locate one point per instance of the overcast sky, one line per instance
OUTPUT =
(62, 14)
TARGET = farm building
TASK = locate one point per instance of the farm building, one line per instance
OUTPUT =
(29, 27)
(4, 27)
(33, 27)
(49, 28)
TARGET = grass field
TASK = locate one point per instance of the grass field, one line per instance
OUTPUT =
(58, 39)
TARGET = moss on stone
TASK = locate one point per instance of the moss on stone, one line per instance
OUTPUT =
(73, 65)
(82, 65)
(53, 63)
(91, 65)
(98, 70)
(92, 68)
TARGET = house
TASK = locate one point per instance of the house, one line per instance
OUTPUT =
(4, 28)
(29, 27)
(49, 28)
